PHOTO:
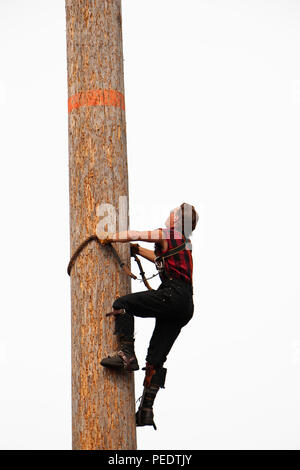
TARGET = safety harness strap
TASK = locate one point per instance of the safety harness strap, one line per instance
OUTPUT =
(160, 260)
(173, 251)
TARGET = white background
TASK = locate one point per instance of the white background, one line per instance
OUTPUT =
(213, 114)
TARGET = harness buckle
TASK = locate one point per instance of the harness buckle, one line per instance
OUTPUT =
(159, 263)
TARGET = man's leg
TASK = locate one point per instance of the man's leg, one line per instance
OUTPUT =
(161, 303)
(125, 358)
(163, 337)
(143, 304)
(162, 340)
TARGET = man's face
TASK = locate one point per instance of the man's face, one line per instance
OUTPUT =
(173, 218)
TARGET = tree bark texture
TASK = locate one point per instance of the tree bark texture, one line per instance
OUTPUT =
(103, 401)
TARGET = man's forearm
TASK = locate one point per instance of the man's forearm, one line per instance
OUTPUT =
(126, 236)
(148, 254)
(151, 236)
(133, 235)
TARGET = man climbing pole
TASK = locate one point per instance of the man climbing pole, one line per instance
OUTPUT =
(171, 304)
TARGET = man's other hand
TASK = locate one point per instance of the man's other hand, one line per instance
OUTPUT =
(134, 249)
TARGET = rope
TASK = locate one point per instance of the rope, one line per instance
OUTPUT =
(96, 239)
(142, 273)
(115, 254)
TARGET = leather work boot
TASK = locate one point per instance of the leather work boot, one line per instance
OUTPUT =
(154, 380)
(125, 358)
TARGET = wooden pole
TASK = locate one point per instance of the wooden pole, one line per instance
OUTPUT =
(103, 402)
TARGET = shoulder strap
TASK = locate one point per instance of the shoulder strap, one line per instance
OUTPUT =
(175, 250)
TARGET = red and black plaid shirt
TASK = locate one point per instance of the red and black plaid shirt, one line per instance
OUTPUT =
(181, 264)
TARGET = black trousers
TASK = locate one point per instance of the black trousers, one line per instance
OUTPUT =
(171, 305)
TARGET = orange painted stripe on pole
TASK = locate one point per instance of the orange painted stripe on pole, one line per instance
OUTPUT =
(96, 98)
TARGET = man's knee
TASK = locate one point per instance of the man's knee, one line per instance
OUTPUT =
(118, 304)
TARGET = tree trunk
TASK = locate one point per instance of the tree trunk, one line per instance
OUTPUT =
(103, 402)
